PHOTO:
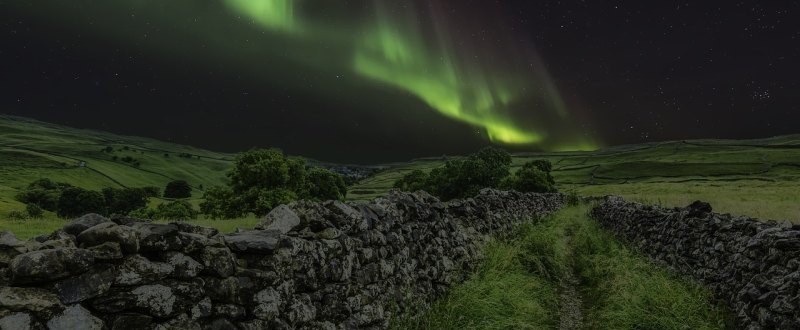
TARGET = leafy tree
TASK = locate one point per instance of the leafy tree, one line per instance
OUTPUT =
(151, 191)
(76, 201)
(178, 189)
(325, 185)
(412, 181)
(220, 203)
(175, 210)
(531, 178)
(123, 201)
(34, 211)
(17, 215)
(43, 192)
(264, 178)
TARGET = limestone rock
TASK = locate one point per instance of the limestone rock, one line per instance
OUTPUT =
(125, 236)
(85, 286)
(75, 317)
(218, 261)
(50, 264)
(85, 222)
(157, 300)
(137, 270)
(254, 241)
(281, 218)
(29, 299)
(18, 321)
(184, 266)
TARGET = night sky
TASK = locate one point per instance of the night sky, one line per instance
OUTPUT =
(370, 81)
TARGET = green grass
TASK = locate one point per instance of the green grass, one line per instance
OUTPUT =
(30, 150)
(517, 286)
(758, 178)
(25, 229)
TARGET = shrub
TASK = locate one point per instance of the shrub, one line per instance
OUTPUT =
(264, 178)
(175, 210)
(43, 192)
(325, 185)
(530, 178)
(461, 178)
(76, 201)
(177, 189)
(123, 201)
(151, 191)
(34, 211)
(17, 215)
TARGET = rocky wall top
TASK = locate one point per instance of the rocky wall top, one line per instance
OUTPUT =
(307, 265)
(751, 264)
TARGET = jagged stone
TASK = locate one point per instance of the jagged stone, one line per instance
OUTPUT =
(50, 264)
(85, 222)
(137, 270)
(132, 321)
(267, 304)
(254, 241)
(157, 300)
(75, 317)
(184, 266)
(107, 251)
(218, 261)
(34, 300)
(18, 321)
(158, 237)
(125, 236)
(85, 286)
(282, 219)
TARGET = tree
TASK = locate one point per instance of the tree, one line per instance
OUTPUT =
(34, 211)
(532, 178)
(178, 189)
(175, 210)
(44, 193)
(325, 185)
(413, 181)
(76, 201)
(264, 178)
(459, 178)
(123, 201)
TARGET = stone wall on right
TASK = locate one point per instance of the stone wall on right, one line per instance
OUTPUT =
(752, 265)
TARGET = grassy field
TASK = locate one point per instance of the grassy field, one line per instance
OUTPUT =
(521, 285)
(758, 178)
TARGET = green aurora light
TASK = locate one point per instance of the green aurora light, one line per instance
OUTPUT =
(511, 100)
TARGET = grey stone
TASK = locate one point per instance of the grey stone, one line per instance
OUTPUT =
(75, 317)
(254, 241)
(157, 300)
(125, 236)
(158, 237)
(267, 304)
(50, 264)
(185, 267)
(281, 218)
(219, 262)
(18, 321)
(107, 251)
(137, 270)
(132, 321)
(85, 222)
(29, 299)
(85, 286)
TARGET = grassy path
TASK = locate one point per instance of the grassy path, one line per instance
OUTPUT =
(565, 272)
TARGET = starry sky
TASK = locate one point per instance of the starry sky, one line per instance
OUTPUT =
(369, 81)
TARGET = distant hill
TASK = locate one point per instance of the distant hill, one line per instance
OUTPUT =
(31, 149)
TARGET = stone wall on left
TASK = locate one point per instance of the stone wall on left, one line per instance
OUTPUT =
(308, 265)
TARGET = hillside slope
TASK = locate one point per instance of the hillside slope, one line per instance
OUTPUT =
(757, 177)
(31, 149)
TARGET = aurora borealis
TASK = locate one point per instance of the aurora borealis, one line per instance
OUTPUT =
(379, 80)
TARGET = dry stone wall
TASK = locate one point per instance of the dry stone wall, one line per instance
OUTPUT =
(308, 265)
(753, 265)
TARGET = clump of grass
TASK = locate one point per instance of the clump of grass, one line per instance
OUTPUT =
(517, 286)
(502, 295)
(624, 290)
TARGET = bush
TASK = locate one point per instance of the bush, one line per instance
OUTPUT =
(75, 202)
(34, 211)
(219, 203)
(460, 178)
(123, 201)
(325, 185)
(531, 178)
(264, 178)
(177, 189)
(44, 193)
(151, 191)
(16, 215)
(175, 210)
